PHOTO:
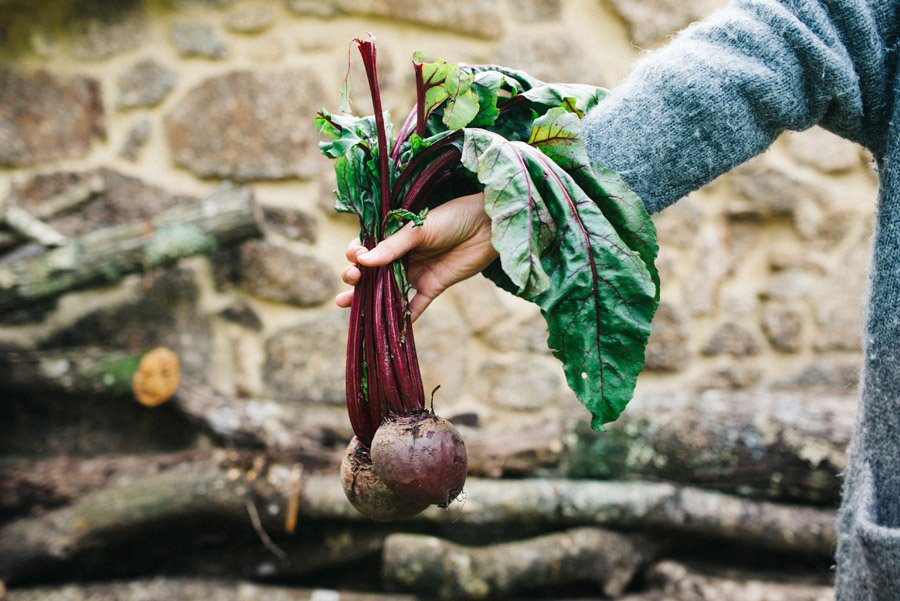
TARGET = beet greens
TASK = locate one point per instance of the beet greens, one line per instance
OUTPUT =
(571, 236)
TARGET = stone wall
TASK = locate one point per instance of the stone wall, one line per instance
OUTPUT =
(763, 271)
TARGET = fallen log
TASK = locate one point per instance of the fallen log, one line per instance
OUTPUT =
(222, 484)
(29, 227)
(225, 217)
(554, 503)
(68, 200)
(780, 445)
(672, 581)
(189, 589)
(438, 569)
(34, 487)
(90, 371)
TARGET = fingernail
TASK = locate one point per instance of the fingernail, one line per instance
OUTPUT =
(366, 254)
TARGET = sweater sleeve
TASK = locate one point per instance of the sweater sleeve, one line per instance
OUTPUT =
(723, 90)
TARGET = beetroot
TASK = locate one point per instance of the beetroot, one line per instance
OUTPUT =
(420, 457)
(368, 493)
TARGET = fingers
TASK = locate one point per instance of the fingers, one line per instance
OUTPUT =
(353, 249)
(344, 299)
(418, 304)
(350, 275)
(393, 247)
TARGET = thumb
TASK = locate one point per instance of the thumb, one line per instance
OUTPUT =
(392, 247)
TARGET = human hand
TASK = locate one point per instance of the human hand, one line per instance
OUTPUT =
(453, 244)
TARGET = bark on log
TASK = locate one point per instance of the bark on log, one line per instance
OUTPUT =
(548, 503)
(672, 581)
(227, 216)
(246, 493)
(37, 486)
(221, 486)
(69, 199)
(186, 589)
(79, 370)
(31, 228)
(786, 445)
(438, 569)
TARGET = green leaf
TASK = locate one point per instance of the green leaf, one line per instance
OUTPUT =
(574, 97)
(446, 82)
(344, 131)
(397, 218)
(357, 189)
(561, 252)
(487, 86)
(520, 222)
(601, 299)
(521, 80)
(558, 134)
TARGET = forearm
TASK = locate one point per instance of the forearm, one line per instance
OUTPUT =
(724, 89)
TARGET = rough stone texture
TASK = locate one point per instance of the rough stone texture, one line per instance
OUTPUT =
(768, 191)
(788, 285)
(197, 39)
(306, 363)
(551, 58)
(242, 314)
(250, 18)
(198, 4)
(537, 11)
(737, 376)
(521, 383)
(838, 303)
(443, 344)
(711, 265)
(524, 332)
(290, 223)
(823, 150)
(146, 83)
(817, 221)
(783, 326)
(679, 224)
(805, 259)
(477, 17)
(124, 198)
(650, 21)
(248, 125)
(732, 339)
(45, 117)
(481, 303)
(98, 29)
(136, 139)
(281, 275)
(667, 349)
(164, 311)
(828, 371)
(267, 50)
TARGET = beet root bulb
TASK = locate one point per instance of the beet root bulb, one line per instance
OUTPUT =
(421, 457)
(368, 493)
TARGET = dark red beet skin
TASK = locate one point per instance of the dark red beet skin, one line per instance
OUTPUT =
(421, 457)
(368, 493)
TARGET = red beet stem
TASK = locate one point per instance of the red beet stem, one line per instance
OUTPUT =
(367, 50)
(383, 376)
(420, 100)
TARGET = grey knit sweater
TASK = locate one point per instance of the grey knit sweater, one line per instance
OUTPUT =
(719, 94)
